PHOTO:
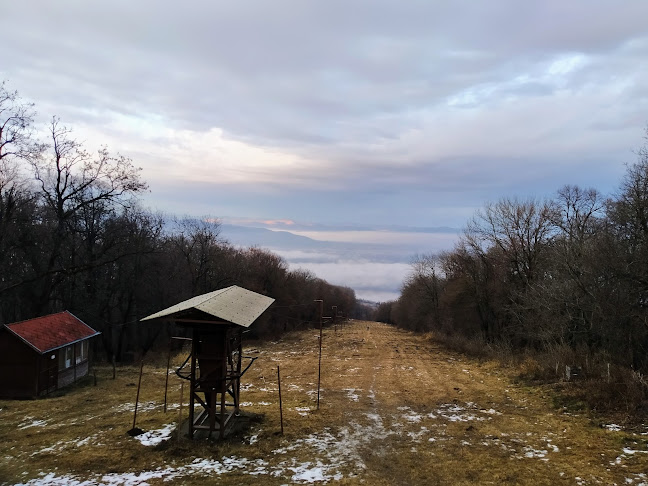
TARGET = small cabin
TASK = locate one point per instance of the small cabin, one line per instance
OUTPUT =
(41, 355)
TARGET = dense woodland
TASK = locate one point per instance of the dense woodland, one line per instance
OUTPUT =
(74, 237)
(563, 279)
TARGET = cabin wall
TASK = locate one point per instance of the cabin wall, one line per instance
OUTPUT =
(48, 372)
(18, 368)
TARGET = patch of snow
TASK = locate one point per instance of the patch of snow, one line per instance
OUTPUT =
(413, 417)
(492, 411)
(417, 436)
(638, 477)
(306, 474)
(351, 395)
(627, 450)
(154, 437)
(34, 423)
(59, 446)
(613, 427)
(303, 411)
(533, 453)
(141, 407)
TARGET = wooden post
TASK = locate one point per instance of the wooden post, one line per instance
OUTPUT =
(280, 404)
(166, 383)
(319, 367)
(192, 382)
(237, 385)
(139, 384)
(180, 411)
(223, 391)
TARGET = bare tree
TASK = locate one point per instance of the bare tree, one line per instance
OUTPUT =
(72, 181)
(519, 229)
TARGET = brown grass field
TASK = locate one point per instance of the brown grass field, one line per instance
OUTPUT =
(396, 408)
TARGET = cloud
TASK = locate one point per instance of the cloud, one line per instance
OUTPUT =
(370, 280)
(370, 109)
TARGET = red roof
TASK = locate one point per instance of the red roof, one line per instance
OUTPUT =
(52, 331)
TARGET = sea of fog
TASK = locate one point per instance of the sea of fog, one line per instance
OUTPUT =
(374, 263)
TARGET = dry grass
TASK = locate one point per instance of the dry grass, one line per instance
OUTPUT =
(396, 408)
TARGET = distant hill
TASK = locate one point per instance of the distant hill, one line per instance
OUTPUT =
(246, 236)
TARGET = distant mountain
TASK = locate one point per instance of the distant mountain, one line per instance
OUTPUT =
(289, 226)
(246, 236)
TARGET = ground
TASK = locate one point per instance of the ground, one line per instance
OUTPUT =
(395, 408)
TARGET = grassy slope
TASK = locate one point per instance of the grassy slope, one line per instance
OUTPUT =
(395, 409)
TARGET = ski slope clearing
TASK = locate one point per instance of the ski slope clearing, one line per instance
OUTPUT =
(396, 408)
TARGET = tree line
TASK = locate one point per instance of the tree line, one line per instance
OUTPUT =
(566, 276)
(73, 236)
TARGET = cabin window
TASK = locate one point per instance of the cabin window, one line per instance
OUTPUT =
(65, 357)
(81, 352)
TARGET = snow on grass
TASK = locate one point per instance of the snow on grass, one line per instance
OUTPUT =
(154, 437)
(417, 436)
(33, 423)
(531, 453)
(59, 446)
(456, 413)
(92, 439)
(342, 450)
(352, 395)
(303, 411)
(640, 479)
(307, 473)
(203, 467)
(141, 407)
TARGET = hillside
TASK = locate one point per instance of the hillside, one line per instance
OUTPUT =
(396, 408)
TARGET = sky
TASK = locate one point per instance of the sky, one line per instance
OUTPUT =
(346, 116)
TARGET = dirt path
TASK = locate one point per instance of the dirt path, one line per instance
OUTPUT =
(395, 408)
(406, 411)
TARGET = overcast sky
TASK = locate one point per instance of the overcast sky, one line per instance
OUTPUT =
(356, 112)
(411, 113)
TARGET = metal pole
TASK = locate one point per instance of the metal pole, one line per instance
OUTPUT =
(319, 367)
(192, 382)
(139, 384)
(280, 404)
(180, 410)
(166, 383)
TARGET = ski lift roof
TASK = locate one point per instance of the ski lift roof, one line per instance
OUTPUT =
(233, 304)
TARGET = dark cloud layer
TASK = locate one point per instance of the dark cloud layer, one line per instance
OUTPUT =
(402, 111)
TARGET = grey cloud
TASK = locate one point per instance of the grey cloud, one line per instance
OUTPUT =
(360, 90)
(279, 71)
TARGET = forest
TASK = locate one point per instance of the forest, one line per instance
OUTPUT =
(561, 281)
(74, 236)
